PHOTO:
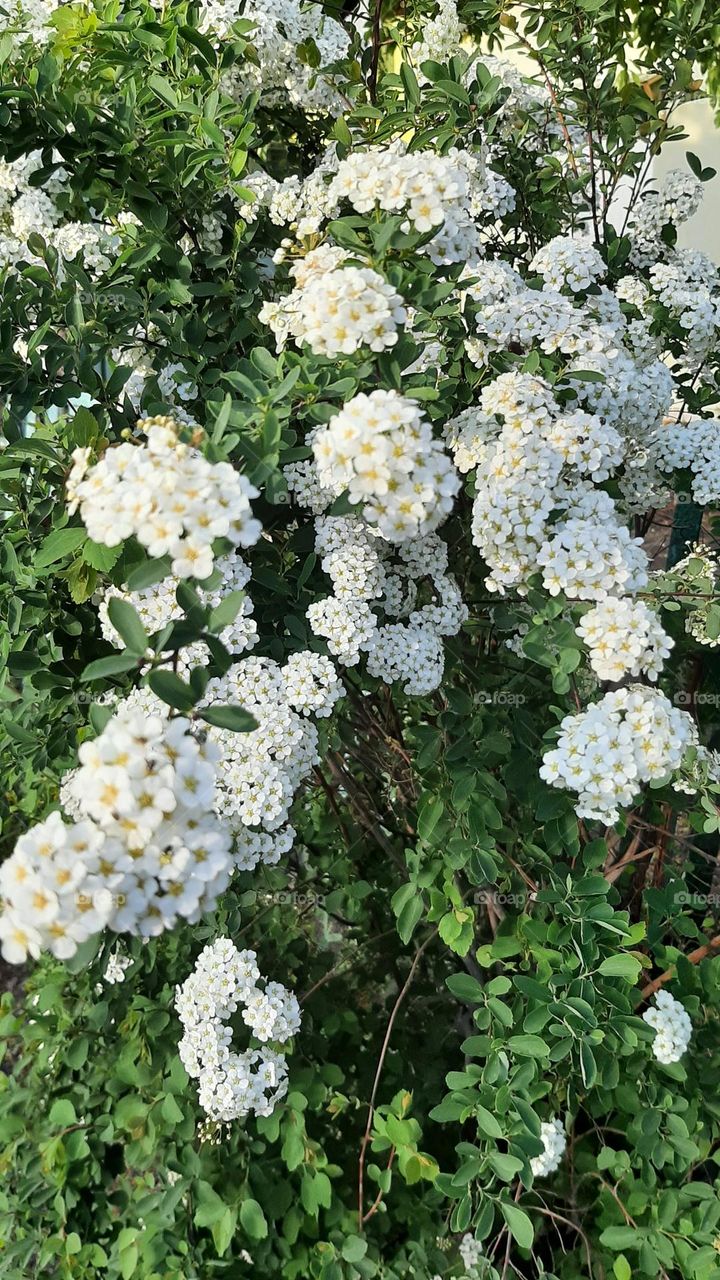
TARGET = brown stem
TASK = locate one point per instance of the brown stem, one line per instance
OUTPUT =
(333, 805)
(378, 1072)
(694, 957)
(376, 43)
(376, 1202)
(341, 963)
(556, 105)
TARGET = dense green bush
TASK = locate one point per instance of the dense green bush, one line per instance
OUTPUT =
(473, 942)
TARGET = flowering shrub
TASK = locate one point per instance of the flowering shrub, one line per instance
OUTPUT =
(358, 711)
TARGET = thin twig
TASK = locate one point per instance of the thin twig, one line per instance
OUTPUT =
(708, 949)
(378, 1071)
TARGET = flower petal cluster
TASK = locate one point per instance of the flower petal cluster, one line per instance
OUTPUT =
(695, 445)
(604, 753)
(625, 637)
(280, 27)
(380, 448)
(670, 1020)
(27, 208)
(259, 772)
(471, 1252)
(535, 469)
(337, 312)
(144, 848)
(412, 655)
(368, 574)
(552, 1134)
(677, 198)
(165, 493)
(157, 605)
(569, 262)
(226, 982)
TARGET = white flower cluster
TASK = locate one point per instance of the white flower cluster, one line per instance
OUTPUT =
(471, 1252)
(167, 494)
(554, 1140)
(441, 35)
(687, 285)
(604, 753)
(157, 605)
(27, 209)
(696, 578)
(677, 198)
(380, 448)
(304, 483)
(411, 655)
(695, 445)
(452, 195)
(300, 204)
(456, 197)
(116, 968)
(674, 1028)
(538, 465)
(568, 262)
(31, 19)
(223, 982)
(358, 562)
(259, 772)
(347, 625)
(280, 27)
(144, 849)
(627, 393)
(469, 437)
(588, 562)
(338, 311)
(624, 637)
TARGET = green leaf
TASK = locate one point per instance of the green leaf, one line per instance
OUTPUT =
(621, 1238)
(126, 622)
(170, 1110)
(148, 573)
(621, 966)
(588, 1066)
(429, 815)
(223, 1230)
(163, 89)
(62, 1113)
(354, 1248)
(227, 610)
(487, 1123)
(229, 716)
(100, 557)
(519, 1224)
(465, 987)
(252, 1220)
(57, 545)
(410, 84)
(85, 427)
(210, 1206)
(505, 1166)
(172, 690)
(528, 1046)
(410, 916)
(112, 666)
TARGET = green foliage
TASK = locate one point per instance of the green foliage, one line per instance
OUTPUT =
(470, 957)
